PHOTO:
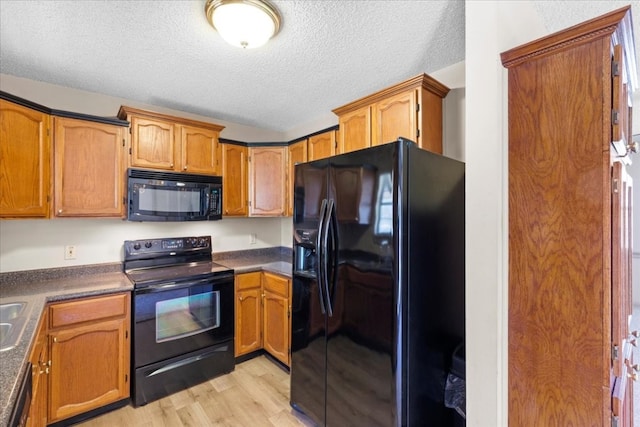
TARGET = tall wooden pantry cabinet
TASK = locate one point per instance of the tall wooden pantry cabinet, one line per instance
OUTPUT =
(570, 226)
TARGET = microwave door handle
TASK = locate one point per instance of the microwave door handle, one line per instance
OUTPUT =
(320, 256)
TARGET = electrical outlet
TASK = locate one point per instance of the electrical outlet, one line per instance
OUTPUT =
(252, 238)
(70, 252)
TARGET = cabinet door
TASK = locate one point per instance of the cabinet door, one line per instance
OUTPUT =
(621, 132)
(89, 368)
(89, 171)
(39, 375)
(276, 325)
(621, 286)
(297, 154)
(153, 143)
(25, 162)
(199, 150)
(395, 116)
(322, 145)
(248, 313)
(267, 182)
(234, 180)
(355, 130)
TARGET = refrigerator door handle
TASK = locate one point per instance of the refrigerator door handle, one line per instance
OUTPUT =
(320, 255)
(325, 254)
(333, 257)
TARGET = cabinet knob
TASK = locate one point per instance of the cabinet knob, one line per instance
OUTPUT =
(240, 298)
(171, 165)
(59, 211)
(185, 168)
(55, 339)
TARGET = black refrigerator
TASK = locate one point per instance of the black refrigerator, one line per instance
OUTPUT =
(378, 286)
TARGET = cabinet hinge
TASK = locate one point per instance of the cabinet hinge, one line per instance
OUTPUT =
(615, 185)
(417, 133)
(615, 68)
(614, 117)
(129, 150)
(288, 313)
(417, 107)
(124, 201)
(126, 378)
(126, 333)
(129, 129)
(123, 144)
(614, 352)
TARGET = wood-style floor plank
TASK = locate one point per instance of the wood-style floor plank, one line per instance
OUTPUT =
(255, 394)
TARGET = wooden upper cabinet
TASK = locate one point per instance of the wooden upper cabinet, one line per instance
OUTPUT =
(411, 109)
(321, 145)
(89, 168)
(235, 201)
(355, 130)
(297, 154)
(393, 117)
(25, 162)
(199, 150)
(267, 181)
(153, 143)
(161, 141)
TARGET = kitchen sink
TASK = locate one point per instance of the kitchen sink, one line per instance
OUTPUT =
(10, 311)
(13, 318)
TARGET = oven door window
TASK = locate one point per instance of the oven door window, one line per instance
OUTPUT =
(172, 321)
(184, 316)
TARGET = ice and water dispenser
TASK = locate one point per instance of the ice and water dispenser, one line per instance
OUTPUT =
(305, 252)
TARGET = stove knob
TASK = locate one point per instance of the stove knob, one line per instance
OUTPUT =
(136, 246)
(147, 245)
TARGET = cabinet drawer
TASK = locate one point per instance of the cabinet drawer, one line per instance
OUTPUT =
(88, 310)
(277, 284)
(248, 280)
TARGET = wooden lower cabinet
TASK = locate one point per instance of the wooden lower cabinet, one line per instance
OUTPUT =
(39, 359)
(275, 321)
(263, 308)
(89, 351)
(248, 313)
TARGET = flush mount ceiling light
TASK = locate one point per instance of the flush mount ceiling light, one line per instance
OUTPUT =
(243, 23)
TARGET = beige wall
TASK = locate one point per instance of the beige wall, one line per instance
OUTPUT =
(34, 244)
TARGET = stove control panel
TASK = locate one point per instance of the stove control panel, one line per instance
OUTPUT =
(167, 246)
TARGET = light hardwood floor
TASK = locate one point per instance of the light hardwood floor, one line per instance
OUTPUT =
(255, 394)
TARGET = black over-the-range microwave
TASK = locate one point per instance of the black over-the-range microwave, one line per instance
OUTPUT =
(168, 196)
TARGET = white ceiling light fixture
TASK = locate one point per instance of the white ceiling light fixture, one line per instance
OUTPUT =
(243, 23)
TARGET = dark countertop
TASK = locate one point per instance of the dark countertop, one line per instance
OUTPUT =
(38, 287)
(275, 260)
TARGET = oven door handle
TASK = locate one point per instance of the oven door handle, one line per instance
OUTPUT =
(166, 286)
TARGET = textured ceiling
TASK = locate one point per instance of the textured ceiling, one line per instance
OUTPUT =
(165, 53)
